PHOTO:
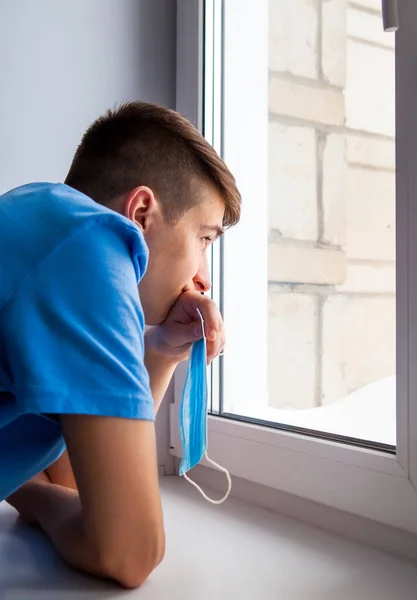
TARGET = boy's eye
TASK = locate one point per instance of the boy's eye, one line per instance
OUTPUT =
(207, 240)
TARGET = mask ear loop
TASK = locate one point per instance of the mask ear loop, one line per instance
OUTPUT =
(223, 470)
(209, 460)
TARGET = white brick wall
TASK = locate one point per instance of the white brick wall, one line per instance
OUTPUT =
(293, 32)
(295, 263)
(370, 89)
(358, 343)
(293, 181)
(369, 279)
(370, 214)
(368, 27)
(334, 327)
(374, 4)
(370, 152)
(292, 350)
(338, 125)
(333, 41)
(334, 189)
(321, 105)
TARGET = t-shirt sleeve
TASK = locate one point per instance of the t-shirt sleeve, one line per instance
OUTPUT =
(73, 333)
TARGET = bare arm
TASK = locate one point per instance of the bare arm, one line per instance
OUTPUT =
(160, 373)
(160, 369)
(61, 473)
(113, 528)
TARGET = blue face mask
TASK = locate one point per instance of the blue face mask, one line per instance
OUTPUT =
(193, 416)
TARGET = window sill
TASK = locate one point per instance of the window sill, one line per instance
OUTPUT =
(236, 550)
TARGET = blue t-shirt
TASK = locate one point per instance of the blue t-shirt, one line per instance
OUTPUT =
(71, 322)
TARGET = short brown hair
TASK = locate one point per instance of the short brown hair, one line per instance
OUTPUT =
(144, 144)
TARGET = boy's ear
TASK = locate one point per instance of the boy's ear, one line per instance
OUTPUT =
(140, 205)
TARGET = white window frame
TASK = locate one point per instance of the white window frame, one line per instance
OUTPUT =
(364, 482)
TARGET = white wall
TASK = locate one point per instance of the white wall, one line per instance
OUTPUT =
(64, 63)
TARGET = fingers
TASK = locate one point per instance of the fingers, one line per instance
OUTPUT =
(213, 328)
(216, 344)
(182, 326)
(181, 336)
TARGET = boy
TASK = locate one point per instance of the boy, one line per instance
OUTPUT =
(83, 267)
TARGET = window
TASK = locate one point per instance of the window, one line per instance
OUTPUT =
(314, 394)
(327, 363)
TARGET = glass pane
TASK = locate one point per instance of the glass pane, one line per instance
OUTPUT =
(331, 214)
(212, 130)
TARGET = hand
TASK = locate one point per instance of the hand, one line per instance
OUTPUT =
(182, 327)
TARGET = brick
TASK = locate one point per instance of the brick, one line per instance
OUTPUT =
(370, 214)
(369, 279)
(370, 152)
(355, 355)
(292, 37)
(292, 348)
(334, 189)
(333, 363)
(368, 27)
(292, 181)
(370, 89)
(321, 105)
(374, 4)
(333, 41)
(292, 263)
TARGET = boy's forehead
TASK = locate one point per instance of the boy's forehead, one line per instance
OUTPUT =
(211, 208)
(207, 212)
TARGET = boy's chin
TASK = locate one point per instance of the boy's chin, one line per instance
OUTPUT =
(155, 318)
(156, 315)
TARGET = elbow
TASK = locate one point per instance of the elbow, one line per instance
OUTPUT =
(130, 567)
(136, 572)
